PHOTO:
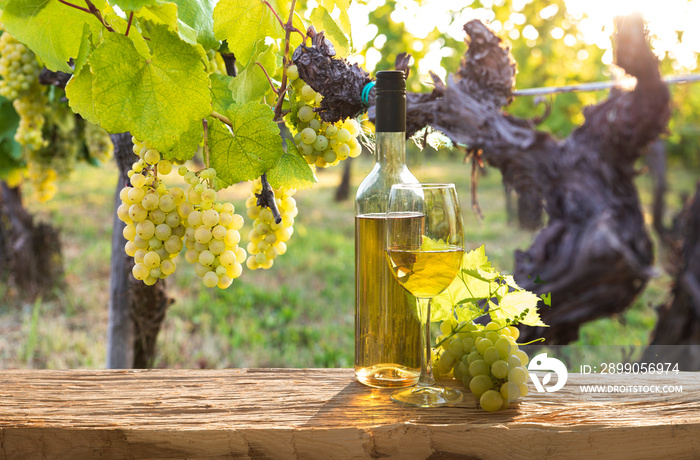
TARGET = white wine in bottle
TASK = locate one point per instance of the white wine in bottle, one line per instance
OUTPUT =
(387, 332)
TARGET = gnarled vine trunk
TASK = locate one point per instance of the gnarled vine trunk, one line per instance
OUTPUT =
(594, 255)
(676, 337)
(31, 263)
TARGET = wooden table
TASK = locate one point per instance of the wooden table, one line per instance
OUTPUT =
(324, 413)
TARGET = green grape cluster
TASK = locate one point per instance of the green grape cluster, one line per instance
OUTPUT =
(268, 238)
(212, 232)
(154, 226)
(323, 144)
(19, 68)
(98, 142)
(486, 360)
(56, 159)
(215, 63)
(30, 107)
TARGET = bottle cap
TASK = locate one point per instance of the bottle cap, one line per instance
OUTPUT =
(390, 101)
(391, 80)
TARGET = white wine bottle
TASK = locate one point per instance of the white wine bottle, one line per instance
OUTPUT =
(387, 332)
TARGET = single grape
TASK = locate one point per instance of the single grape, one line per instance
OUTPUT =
(480, 384)
(491, 401)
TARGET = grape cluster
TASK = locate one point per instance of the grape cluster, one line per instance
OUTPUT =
(268, 238)
(19, 68)
(323, 144)
(212, 233)
(98, 142)
(154, 228)
(486, 360)
(30, 107)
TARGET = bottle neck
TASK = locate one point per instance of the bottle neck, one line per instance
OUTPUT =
(391, 149)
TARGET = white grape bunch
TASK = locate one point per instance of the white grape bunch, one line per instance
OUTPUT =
(19, 68)
(486, 360)
(212, 231)
(268, 238)
(31, 107)
(322, 144)
(154, 225)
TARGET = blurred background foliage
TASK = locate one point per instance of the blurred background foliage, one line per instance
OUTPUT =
(554, 43)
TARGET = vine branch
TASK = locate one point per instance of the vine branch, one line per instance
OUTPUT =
(96, 12)
(283, 86)
(268, 78)
(128, 25)
(220, 117)
(75, 6)
(266, 198)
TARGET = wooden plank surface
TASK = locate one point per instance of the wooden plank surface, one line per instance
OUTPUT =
(325, 413)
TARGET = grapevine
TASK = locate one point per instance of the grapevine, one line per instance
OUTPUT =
(268, 238)
(321, 143)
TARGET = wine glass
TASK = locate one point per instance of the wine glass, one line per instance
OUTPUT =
(424, 245)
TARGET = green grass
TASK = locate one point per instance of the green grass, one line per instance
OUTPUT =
(300, 313)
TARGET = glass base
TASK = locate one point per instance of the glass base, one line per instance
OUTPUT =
(387, 376)
(427, 396)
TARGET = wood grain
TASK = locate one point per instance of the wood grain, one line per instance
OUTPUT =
(325, 413)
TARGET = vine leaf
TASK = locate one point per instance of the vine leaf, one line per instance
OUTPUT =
(51, 29)
(251, 84)
(197, 15)
(242, 25)
(155, 99)
(343, 20)
(250, 148)
(79, 87)
(333, 31)
(134, 5)
(185, 148)
(291, 171)
(514, 304)
(221, 97)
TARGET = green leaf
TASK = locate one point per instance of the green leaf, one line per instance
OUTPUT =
(291, 171)
(221, 93)
(9, 120)
(156, 99)
(52, 30)
(119, 24)
(79, 93)
(79, 87)
(323, 21)
(476, 264)
(134, 5)
(251, 84)
(252, 149)
(514, 304)
(242, 23)
(160, 13)
(187, 145)
(197, 14)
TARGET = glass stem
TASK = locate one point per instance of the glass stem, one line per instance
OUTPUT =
(426, 371)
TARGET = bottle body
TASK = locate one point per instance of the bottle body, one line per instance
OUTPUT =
(387, 331)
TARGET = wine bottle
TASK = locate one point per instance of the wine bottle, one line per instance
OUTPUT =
(387, 331)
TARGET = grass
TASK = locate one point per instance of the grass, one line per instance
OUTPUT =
(298, 314)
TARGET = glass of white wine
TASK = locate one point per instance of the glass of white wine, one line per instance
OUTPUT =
(424, 246)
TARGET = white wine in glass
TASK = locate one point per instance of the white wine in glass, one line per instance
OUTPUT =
(425, 259)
